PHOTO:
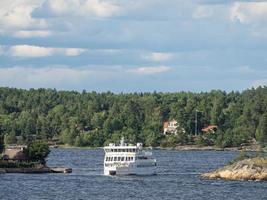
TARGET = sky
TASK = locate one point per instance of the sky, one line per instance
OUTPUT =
(133, 45)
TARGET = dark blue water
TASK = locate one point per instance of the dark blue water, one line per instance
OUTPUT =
(178, 178)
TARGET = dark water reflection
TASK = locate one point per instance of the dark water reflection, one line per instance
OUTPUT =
(178, 178)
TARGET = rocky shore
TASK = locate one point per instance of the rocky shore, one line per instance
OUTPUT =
(249, 148)
(248, 169)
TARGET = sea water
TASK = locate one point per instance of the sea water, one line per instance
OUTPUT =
(178, 177)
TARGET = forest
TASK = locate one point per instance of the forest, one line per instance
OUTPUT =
(95, 119)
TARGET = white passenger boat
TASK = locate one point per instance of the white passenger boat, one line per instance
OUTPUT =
(125, 159)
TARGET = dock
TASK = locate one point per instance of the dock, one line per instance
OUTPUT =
(36, 170)
(60, 170)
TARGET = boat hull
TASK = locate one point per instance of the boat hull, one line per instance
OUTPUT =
(130, 171)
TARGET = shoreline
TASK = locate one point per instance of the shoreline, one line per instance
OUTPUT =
(214, 148)
(36, 170)
(252, 148)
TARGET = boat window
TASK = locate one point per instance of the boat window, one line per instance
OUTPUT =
(115, 158)
(122, 159)
(131, 158)
(142, 158)
(111, 159)
(106, 158)
(133, 150)
(111, 150)
(119, 158)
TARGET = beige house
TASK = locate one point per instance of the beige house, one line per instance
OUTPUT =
(15, 153)
(170, 127)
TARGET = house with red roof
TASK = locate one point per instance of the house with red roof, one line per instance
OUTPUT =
(210, 129)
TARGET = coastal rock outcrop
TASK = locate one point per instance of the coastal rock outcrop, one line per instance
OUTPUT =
(248, 169)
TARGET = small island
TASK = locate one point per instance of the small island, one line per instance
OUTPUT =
(27, 158)
(245, 169)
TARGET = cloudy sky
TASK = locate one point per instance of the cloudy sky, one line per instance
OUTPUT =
(133, 45)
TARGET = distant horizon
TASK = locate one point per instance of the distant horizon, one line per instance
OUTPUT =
(132, 92)
(128, 46)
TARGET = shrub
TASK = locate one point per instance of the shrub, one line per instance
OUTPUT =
(37, 150)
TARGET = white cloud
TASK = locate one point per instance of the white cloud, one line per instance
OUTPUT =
(202, 12)
(158, 56)
(261, 82)
(20, 17)
(30, 34)
(58, 8)
(100, 8)
(150, 70)
(248, 12)
(74, 51)
(55, 77)
(29, 51)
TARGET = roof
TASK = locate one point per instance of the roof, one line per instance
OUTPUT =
(208, 128)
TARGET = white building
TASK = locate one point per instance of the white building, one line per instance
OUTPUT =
(170, 127)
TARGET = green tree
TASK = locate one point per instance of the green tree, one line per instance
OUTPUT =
(37, 150)
(91, 118)
(10, 138)
(2, 144)
(261, 134)
(151, 138)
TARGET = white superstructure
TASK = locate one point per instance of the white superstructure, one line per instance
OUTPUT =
(128, 160)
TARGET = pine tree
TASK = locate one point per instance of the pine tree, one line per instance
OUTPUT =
(2, 145)
(261, 134)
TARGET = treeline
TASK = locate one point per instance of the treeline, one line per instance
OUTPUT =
(93, 119)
